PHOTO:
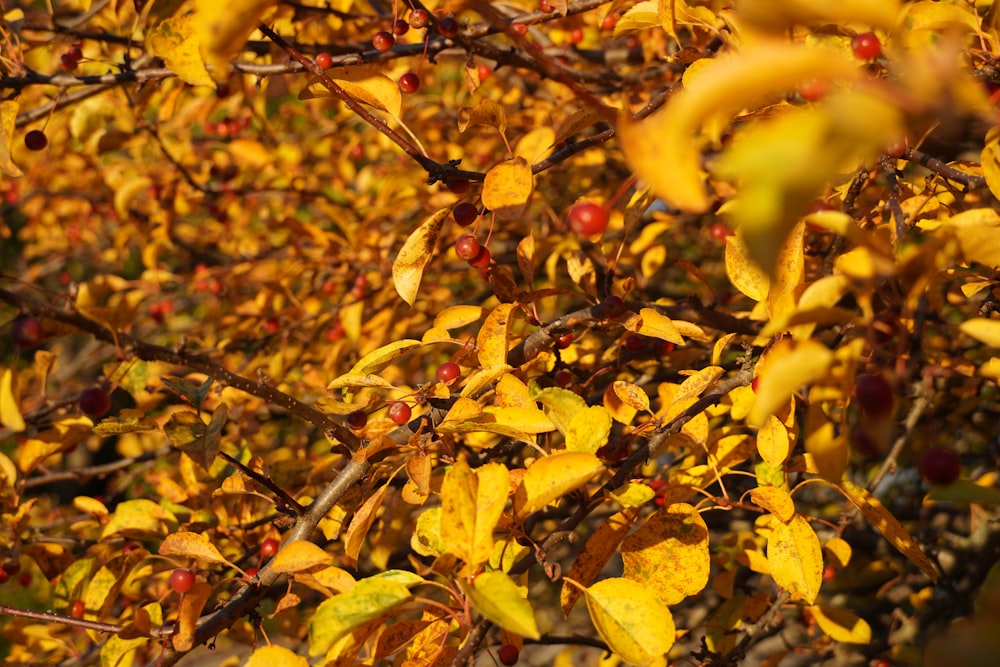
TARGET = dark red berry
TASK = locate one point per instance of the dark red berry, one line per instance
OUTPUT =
(465, 214)
(448, 372)
(482, 259)
(448, 26)
(418, 18)
(563, 377)
(587, 218)
(95, 402)
(720, 232)
(467, 247)
(26, 332)
(575, 36)
(400, 27)
(77, 609)
(4, 577)
(755, 383)
(634, 342)
(520, 28)
(324, 60)
(615, 450)
(399, 412)
(11, 568)
(252, 572)
(25, 579)
(357, 419)
(612, 306)
(75, 51)
(484, 71)
(508, 655)
(269, 547)
(896, 149)
(383, 40)
(35, 140)
(874, 394)
(564, 341)
(939, 466)
(181, 580)
(458, 185)
(68, 62)
(409, 83)
(866, 46)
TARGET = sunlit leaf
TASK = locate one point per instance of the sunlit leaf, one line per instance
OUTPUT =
(775, 500)
(787, 367)
(408, 267)
(772, 441)
(335, 617)
(139, 519)
(551, 477)
(275, 656)
(649, 322)
(598, 550)
(494, 336)
(10, 410)
(486, 112)
(588, 429)
(362, 82)
(8, 117)
(376, 360)
(631, 619)
(192, 545)
(982, 329)
(224, 29)
(177, 41)
(300, 556)
(796, 559)
(631, 395)
(507, 188)
(126, 421)
(471, 504)
(668, 553)
(842, 625)
(498, 598)
(190, 610)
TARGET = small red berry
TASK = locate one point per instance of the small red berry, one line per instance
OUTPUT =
(564, 341)
(939, 466)
(409, 83)
(324, 60)
(25, 579)
(383, 40)
(94, 402)
(609, 22)
(418, 18)
(665, 346)
(252, 572)
(575, 36)
(357, 419)
(484, 71)
(720, 232)
(465, 214)
(448, 372)
(874, 394)
(448, 26)
(612, 307)
(181, 580)
(545, 6)
(75, 52)
(400, 27)
(866, 46)
(896, 149)
(458, 185)
(68, 62)
(399, 412)
(482, 259)
(615, 450)
(269, 547)
(587, 218)
(467, 247)
(829, 572)
(35, 140)
(520, 28)
(813, 90)
(11, 568)
(508, 655)
(634, 342)
(755, 384)
(26, 332)
(563, 377)
(77, 609)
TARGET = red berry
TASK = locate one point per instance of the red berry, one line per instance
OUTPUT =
(520, 28)
(508, 655)
(615, 450)
(409, 83)
(77, 609)
(4, 577)
(484, 71)
(813, 89)
(36, 140)
(75, 52)
(26, 332)
(448, 372)
(896, 149)
(866, 46)
(418, 18)
(25, 579)
(129, 548)
(252, 572)
(720, 232)
(357, 419)
(874, 394)
(575, 36)
(609, 22)
(864, 444)
(11, 568)
(564, 341)
(482, 259)
(545, 6)
(269, 547)
(612, 307)
(563, 377)
(829, 572)
(68, 62)
(467, 247)
(94, 402)
(383, 41)
(324, 60)
(400, 27)
(448, 26)
(181, 580)
(939, 466)
(465, 214)
(755, 383)
(634, 342)
(881, 662)
(399, 412)
(587, 218)
(664, 346)
(457, 185)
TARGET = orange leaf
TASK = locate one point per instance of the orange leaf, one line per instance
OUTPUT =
(192, 545)
(187, 616)
(299, 556)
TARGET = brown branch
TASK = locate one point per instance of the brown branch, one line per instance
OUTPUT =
(970, 181)
(94, 471)
(53, 617)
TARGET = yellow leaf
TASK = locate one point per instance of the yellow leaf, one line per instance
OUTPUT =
(631, 619)
(888, 525)
(275, 656)
(788, 366)
(455, 317)
(176, 41)
(486, 112)
(638, 17)
(187, 616)
(618, 409)
(408, 267)
(772, 441)
(362, 82)
(512, 393)
(649, 322)
(631, 395)
(361, 523)
(378, 359)
(588, 429)
(337, 616)
(192, 545)
(358, 380)
(10, 410)
(463, 409)
(788, 275)
(775, 500)
(494, 337)
(224, 29)
(498, 598)
(840, 549)
(551, 477)
(978, 234)
(528, 420)
(990, 160)
(300, 556)
(830, 451)
(841, 625)
(8, 119)
(507, 188)
(140, 519)
(535, 145)
(982, 329)
(745, 274)
(668, 554)
(561, 405)
(782, 16)
(600, 547)
(796, 559)
(472, 502)
(725, 86)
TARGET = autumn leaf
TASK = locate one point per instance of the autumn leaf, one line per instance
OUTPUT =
(630, 618)
(795, 558)
(408, 267)
(498, 598)
(507, 188)
(553, 476)
(668, 553)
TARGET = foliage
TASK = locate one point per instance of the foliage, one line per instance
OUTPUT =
(630, 420)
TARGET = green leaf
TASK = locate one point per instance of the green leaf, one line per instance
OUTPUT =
(336, 617)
